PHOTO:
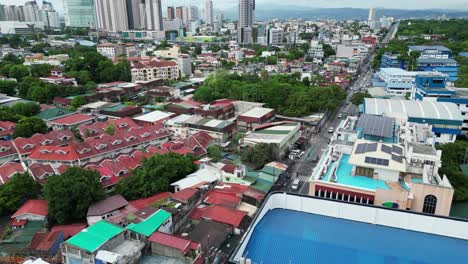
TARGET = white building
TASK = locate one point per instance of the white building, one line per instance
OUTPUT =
(276, 36)
(154, 70)
(209, 12)
(111, 15)
(184, 62)
(246, 20)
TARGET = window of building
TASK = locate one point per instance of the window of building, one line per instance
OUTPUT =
(430, 204)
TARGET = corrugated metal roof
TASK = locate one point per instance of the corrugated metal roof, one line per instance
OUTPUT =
(93, 237)
(376, 125)
(151, 224)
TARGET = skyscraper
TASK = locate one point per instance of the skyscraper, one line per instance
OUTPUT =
(111, 15)
(79, 13)
(133, 14)
(154, 18)
(170, 12)
(49, 15)
(193, 13)
(185, 14)
(246, 20)
(32, 13)
(372, 13)
(179, 13)
(209, 12)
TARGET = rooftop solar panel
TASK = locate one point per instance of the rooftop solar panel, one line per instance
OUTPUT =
(397, 158)
(386, 149)
(376, 125)
(376, 161)
(397, 150)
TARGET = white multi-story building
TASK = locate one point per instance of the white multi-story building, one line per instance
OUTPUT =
(246, 20)
(316, 49)
(111, 15)
(276, 36)
(185, 65)
(150, 70)
(209, 12)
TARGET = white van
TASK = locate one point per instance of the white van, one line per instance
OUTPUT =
(295, 185)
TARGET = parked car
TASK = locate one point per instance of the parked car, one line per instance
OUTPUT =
(295, 185)
(340, 115)
(331, 129)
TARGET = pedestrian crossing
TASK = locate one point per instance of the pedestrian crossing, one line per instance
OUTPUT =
(303, 178)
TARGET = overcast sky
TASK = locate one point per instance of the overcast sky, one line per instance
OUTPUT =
(226, 4)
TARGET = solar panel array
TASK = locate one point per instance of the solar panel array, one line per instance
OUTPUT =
(386, 149)
(379, 126)
(397, 150)
(376, 161)
(364, 148)
(397, 158)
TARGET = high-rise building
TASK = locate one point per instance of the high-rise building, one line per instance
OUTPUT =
(170, 12)
(49, 15)
(154, 17)
(193, 13)
(111, 15)
(372, 13)
(185, 14)
(209, 12)
(246, 20)
(179, 13)
(32, 13)
(79, 13)
(133, 14)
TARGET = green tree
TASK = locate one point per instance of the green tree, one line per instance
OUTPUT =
(41, 70)
(26, 109)
(8, 87)
(18, 190)
(198, 50)
(78, 101)
(110, 129)
(26, 84)
(39, 94)
(328, 50)
(28, 126)
(214, 153)
(70, 194)
(155, 175)
(18, 72)
(358, 98)
(259, 155)
(452, 156)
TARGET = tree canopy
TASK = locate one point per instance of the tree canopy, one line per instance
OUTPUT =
(8, 87)
(29, 126)
(259, 155)
(18, 190)
(70, 194)
(285, 93)
(358, 98)
(214, 153)
(155, 175)
(452, 157)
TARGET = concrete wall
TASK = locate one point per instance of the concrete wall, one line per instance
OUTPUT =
(158, 249)
(399, 197)
(361, 213)
(444, 197)
(386, 175)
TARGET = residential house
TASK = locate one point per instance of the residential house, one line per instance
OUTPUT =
(7, 129)
(31, 210)
(174, 247)
(106, 208)
(255, 117)
(70, 121)
(46, 244)
(8, 170)
(7, 152)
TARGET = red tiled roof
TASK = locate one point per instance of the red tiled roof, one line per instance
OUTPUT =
(230, 168)
(227, 199)
(7, 128)
(145, 202)
(69, 230)
(7, 148)
(199, 143)
(72, 119)
(62, 168)
(184, 195)
(152, 64)
(34, 207)
(177, 147)
(181, 244)
(21, 222)
(8, 169)
(157, 150)
(39, 170)
(224, 215)
(54, 153)
(25, 146)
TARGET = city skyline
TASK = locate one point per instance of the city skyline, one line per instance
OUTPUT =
(227, 4)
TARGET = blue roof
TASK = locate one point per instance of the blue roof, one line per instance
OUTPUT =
(423, 48)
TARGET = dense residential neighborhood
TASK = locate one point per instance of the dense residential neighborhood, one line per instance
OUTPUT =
(140, 132)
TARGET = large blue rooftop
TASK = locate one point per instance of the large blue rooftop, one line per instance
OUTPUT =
(311, 238)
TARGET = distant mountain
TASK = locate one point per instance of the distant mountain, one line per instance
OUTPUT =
(283, 12)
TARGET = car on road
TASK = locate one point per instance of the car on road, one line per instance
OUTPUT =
(295, 185)
(340, 115)
(331, 129)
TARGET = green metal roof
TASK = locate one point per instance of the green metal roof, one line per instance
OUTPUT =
(267, 177)
(272, 170)
(52, 113)
(272, 132)
(115, 108)
(262, 186)
(93, 237)
(151, 224)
